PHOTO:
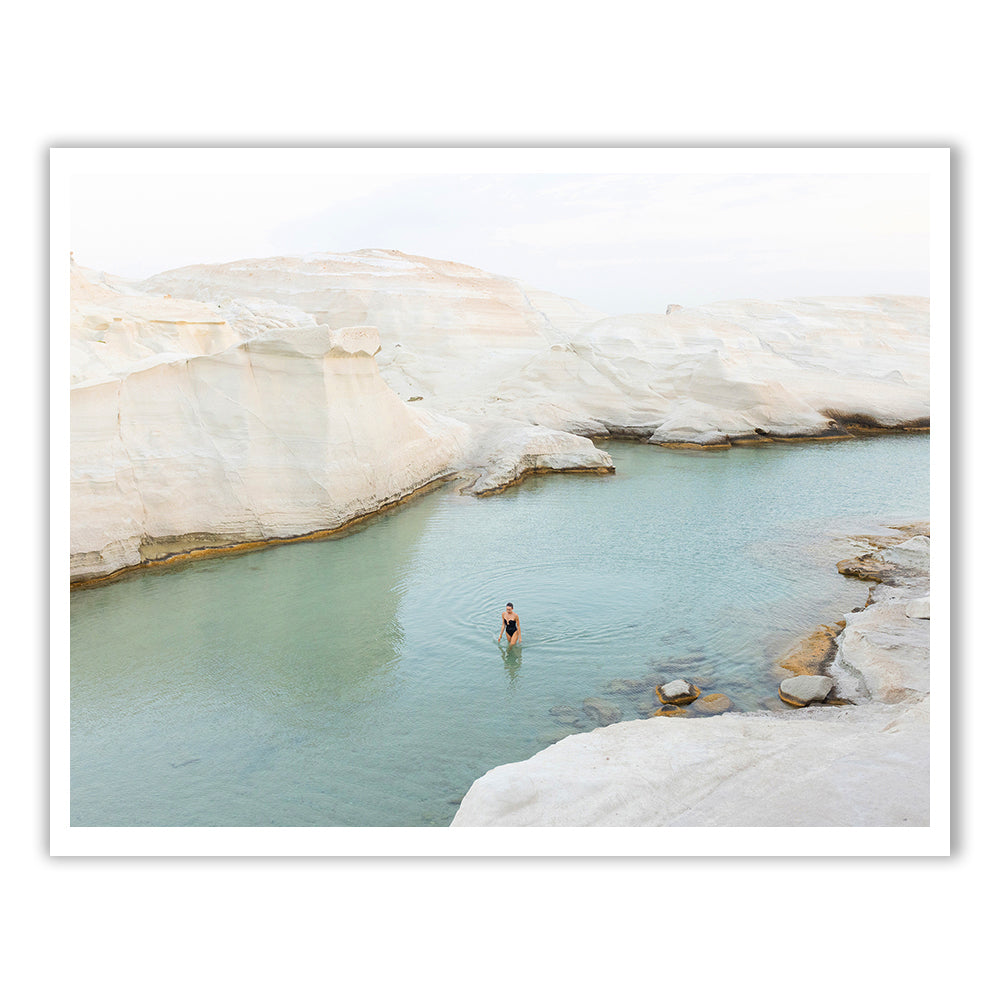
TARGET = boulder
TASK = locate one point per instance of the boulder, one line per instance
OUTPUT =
(804, 689)
(678, 692)
(711, 704)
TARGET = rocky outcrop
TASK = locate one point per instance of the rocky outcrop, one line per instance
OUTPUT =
(884, 650)
(217, 405)
(470, 343)
(276, 437)
(861, 764)
(813, 767)
(505, 452)
(814, 653)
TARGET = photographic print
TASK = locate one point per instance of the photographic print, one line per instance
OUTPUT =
(500, 501)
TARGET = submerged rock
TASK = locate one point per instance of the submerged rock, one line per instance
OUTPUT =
(775, 705)
(686, 661)
(814, 652)
(621, 685)
(603, 712)
(566, 714)
(711, 704)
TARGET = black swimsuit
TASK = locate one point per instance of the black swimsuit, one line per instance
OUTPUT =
(511, 627)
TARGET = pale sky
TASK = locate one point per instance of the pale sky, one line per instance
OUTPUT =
(618, 240)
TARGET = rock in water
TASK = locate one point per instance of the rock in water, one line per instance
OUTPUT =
(805, 689)
(566, 714)
(679, 692)
(712, 704)
(603, 712)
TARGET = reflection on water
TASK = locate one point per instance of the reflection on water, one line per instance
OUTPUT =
(356, 681)
(511, 656)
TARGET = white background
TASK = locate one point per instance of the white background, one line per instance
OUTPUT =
(728, 74)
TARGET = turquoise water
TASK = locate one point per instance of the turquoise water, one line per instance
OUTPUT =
(358, 681)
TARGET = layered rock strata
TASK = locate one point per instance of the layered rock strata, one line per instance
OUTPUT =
(470, 343)
(864, 764)
(218, 405)
(283, 435)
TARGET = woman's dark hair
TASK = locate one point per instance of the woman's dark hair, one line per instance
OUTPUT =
(509, 605)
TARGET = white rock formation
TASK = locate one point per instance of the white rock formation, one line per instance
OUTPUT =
(810, 767)
(470, 343)
(289, 432)
(505, 451)
(215, 404)
(449, 331)
(866, 764)
(884, 650)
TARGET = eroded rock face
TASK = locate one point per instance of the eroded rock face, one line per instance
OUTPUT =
(219, 404)
(277, 437)
(468, 342)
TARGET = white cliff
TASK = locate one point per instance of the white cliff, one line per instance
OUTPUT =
(189, 440)
(471, 344)
(223, 404)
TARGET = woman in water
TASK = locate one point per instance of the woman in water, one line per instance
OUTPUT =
(511, 625)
